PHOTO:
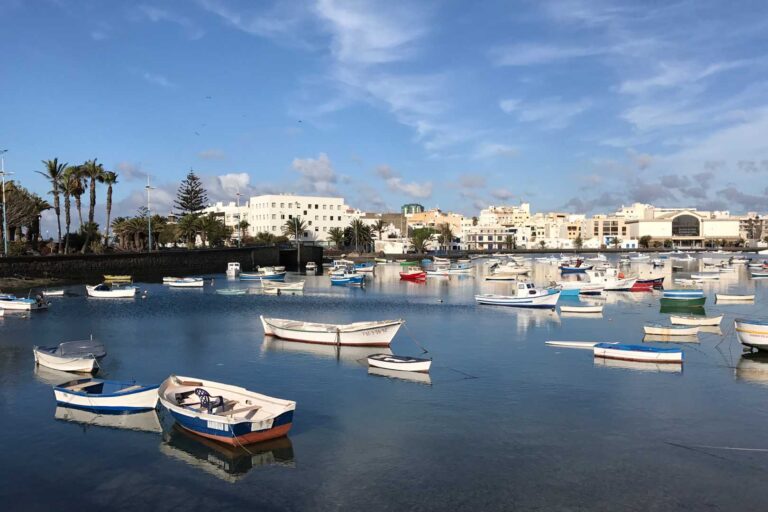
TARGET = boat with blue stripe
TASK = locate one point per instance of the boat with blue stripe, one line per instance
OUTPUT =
(108, 396)
(345, 279)
(527, 296)
(687, 296)
(225, 413)
(264, 274)
(639, 353)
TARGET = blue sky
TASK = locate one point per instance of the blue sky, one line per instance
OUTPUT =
(573, 105)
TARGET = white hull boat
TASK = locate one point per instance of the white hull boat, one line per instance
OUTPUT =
(639, 353)
(284, 287)
(705, 277)
(527, 296)
(71, 356)
(752, 333)
(187, 282)
(106, 395)
(417, 377)
(361, 334)
(611, 280)
(576, 344)
(233, 269)
(169, 279)
(11, 302)
(106, 291)
(660, 330)
(53, 293)
(695, 320)
(721, 297)
(399, 363)
(581, 309)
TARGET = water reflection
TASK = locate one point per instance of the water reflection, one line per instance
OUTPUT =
(53, 377)
(229, 463)
(420, 378)
(144, 421)
(753, 368)
(661, 338)
(638, 366)
(345, 354)
(586, 316)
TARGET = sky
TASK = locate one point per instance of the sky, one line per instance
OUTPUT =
(571, 105)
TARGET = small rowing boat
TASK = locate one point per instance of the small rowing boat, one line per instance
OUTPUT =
(399, 363)
(576, 344)
(683, 296)
(361, 334)
(706, 277)
(695, 320)
(232, 291)
(758, 273)
(113, 278)
(265, 274)
(661, 330)
(225, 413)
(106, 395)
(295, 287)
(527, 296)
(345, 279)
(654, 282)
(53, 293)
(581, 309)
(187, 282)
(71, 356)
(11, 302)
(639, 353)
(721, 297)
(413, 274)
(752, 333)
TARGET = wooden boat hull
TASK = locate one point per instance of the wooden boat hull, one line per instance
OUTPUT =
(695, 320)
(80, 364)
(379, 334)
(284, 287)
(638, 353)
(392, 362)
(413, 276)
(719, 297)
(752, 333)
(548, 300)
(232, 430)
(581, 309)
(142, 398)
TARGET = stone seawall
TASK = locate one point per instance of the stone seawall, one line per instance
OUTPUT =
(152, 265)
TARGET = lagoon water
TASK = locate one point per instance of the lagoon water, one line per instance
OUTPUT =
(503, 422)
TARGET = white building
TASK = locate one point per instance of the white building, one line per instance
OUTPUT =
(269, 213)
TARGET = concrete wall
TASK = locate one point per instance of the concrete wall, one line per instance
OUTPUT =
(156, 264)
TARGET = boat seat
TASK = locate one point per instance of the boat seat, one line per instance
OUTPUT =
(253, 408)
(207, 401)
(129, 388)
(82, 386)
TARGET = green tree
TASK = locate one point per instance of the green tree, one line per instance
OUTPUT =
(191, 198)
(645, 241)
(188, 229)
(446, 233)
(420, 237)
(54, 172)
(242, 227)
(578, 243)
(294, 228)
(359, 234)
(336, 235)
(92, 172)
(542, 243)
(213, 231)
(77, 189)
(616, 242)
(378, 227)
(110, 179)
(264, 237)
(70, 185)
(168, 234)
(509, 241)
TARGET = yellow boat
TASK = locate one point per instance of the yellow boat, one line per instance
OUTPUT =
(117, 279)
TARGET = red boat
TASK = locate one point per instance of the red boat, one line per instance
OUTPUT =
(413, 274)
(656, 282)
(641, 287)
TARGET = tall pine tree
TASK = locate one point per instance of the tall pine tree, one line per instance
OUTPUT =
(191, 197)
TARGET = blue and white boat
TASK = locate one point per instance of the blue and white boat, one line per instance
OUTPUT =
(106, 395)
(345, 279)
(527, 296)
(576, 288)
(576, 268)
(8, 301)
(367, 266)
(224, 413)
(263, 274)
(640, 353)
(683, 293)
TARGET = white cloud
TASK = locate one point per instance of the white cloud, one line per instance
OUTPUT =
(396, 183)
(157, 15)
(129, 171)
(551, 113)
(492, 150)
(157, 79)
(526, 54)
(674, 75)
(285, 22)
(317, 174)
(212, 154)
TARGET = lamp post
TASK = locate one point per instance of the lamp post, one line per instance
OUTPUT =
(149, 216)
(5, 219)
(298, 243)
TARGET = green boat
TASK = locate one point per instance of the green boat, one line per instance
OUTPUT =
(683, 303)
(681, 308)
(408, 263)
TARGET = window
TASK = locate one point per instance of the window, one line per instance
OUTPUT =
(685, 225)
(317, 229)
(274, 204)
(290, 205)
(324, 207)
(290, 217)
(282, 216)
(306, 234)
(282, 205)
(274, 216)
(317, 207)
(317, 218)
(325, 217)
(305, 212)
(274, 228)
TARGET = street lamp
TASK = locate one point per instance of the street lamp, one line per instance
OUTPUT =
(149, 216)
(298, 243)
(5, 219)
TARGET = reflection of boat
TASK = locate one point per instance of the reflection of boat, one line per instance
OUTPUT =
(638, 366)
(664, 330)
(364, 334)
(753, 368)
(721, 297)
(661, 338)
(583, 316)
(681, 307)
(576, 344)
(348, 354)
(53, 377)
(400, 363)
(225, 413)
(695, 320)
(641, 353)
(421, 378)
(144, 421)
(227, 462)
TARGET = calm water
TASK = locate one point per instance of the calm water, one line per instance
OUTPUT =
(503, 422)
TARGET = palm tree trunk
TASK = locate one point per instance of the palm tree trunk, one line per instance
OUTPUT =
(79, 205)
(57, 210)
(67, 219)
(109, 213)
(92, 205)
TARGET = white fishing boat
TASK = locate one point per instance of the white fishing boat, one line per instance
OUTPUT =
(576, 288)
(576, 344)
(225, 413)
(752, 333)
(695, 320)
(106, 395)
(438, 272)
(611, 279)
(294, 287)
(233, 269)
(362, 334)
(169, 279)
(311, 266)
(111, 291)
(662, 330)
(526, 296)
(399, 363)
(705, 277)
(640, 353)
(722, 297)
(53, 293)
(71, 356)
(581, 309)
(187, 282)
(11, 302)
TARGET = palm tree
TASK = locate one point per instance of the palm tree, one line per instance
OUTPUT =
(447, 233)
(336, 235)
(110, 179)
(189, 228)
(93, 172)
(294, 228)
(358, 232)
(76, 189)
(242, 226)
(54, 172)
(379, 226)
(70, 186)
(419, 239)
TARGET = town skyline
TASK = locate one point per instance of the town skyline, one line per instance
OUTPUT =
(434, 104)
